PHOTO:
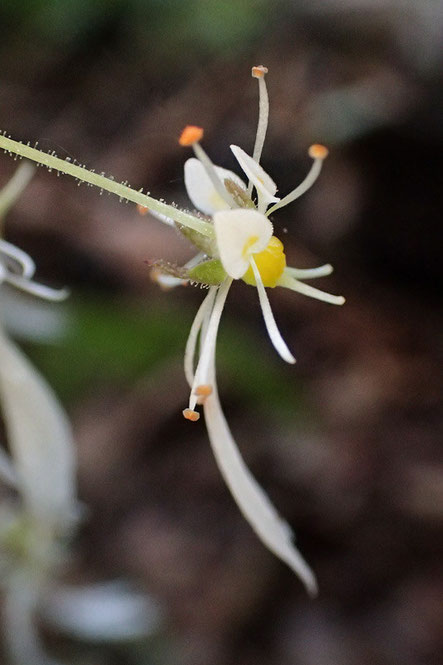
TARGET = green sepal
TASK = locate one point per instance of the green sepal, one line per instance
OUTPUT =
(203, 243)
(209, 272)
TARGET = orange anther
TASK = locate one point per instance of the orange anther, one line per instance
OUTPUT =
(189, 414)
(318, 151)
(204, 390)
(190, 135)
(143, 210)
(259, 71)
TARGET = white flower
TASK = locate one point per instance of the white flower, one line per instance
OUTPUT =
(247, 249)
(235, 241)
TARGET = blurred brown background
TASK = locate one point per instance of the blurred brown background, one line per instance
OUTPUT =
(347, 442)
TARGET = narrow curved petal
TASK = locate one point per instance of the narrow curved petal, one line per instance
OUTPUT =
(255, 505)
(271, 326)
(263, 183)
(25, 262)
(201, 190)
(240, 233)
(36, 289)
(39, 438)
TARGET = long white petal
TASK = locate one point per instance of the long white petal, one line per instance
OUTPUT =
(273, 331)
(290, 283)
(240, 233)
(36, 289)
(263, 183)
(205, 307)
(108, 611)
(39, 437)
(255, 505)
(208, 343)
(18, 256)
(200, 187)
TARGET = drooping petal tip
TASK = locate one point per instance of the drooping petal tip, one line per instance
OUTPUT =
(259, 71)
(190, 135)
(318, 151)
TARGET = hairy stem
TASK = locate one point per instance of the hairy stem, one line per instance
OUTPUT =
(103, 183)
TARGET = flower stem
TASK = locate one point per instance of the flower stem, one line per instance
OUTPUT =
(104, 183)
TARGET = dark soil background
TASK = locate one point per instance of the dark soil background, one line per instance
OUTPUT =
(347, 442)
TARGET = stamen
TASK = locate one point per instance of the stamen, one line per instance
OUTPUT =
(203, 390)
(318, 154)
(290, 283)
(212, 174)
(273, 332)
(190, 135)
(259, 72)
(318, 151)
(209, 342)
(204, 308)
(191, 415)
(310, 273)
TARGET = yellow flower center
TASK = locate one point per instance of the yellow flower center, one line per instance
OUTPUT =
(270, 263)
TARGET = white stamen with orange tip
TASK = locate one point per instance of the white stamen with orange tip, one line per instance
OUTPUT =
(190, 414)
(318, 151)
(190, 135)
(259, 71)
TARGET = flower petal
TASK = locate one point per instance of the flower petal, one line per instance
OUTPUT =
(263, 183)
(107, 611)
(39, 438)
(201, 190)
(19, 257)
(239, 234)
(255, 505)
(36, 289)
(271, 326)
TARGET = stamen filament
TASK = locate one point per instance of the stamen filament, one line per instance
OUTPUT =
(301, 189)
(208, 346)
(191, 344)
(212, 174)
(273, 331)
(263, 116)
(290, 283)
(310, 273)
(100, 181)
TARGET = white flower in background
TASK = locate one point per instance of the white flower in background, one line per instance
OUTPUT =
(40, 468)
(235, 240)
